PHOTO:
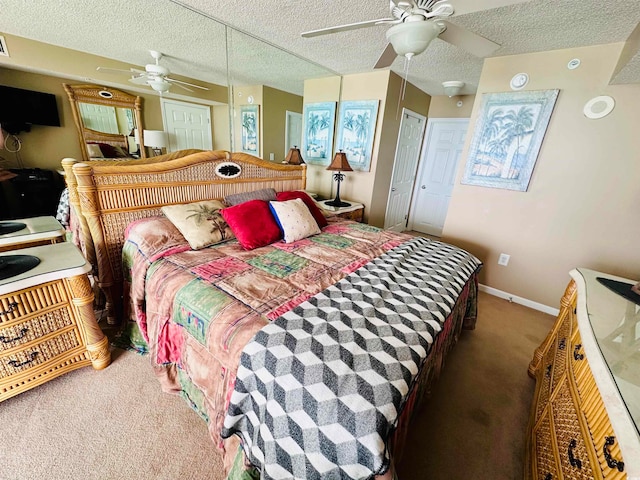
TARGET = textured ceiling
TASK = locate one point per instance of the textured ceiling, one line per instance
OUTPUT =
(195, 43)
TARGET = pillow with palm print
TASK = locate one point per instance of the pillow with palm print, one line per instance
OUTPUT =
(200, 223)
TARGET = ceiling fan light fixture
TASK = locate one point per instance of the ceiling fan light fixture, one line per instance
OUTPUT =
(413, 38)
(452, 88)
(159, 84)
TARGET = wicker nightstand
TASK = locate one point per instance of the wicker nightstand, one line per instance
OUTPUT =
(47, 324)
(36, 231)
(355, 212)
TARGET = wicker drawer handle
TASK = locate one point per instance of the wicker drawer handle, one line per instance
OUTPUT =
(612, 462)
(12, 307)
(576, 355)
(548, 372)
(548, 476)
(575, 462)
(562, 344)
(21, 335)
(16, 364)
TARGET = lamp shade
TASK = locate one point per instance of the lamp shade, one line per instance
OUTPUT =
(340, 163)
(452, 88)
(152, 138)
(155, 138)
(159, 84)
(413, 38)
(294, 157)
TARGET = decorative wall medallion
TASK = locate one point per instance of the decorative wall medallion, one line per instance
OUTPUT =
(228, 170)
(519, 80)
(573, 64)
(599, 107)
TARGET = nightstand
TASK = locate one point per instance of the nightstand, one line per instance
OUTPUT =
(35, 231)
(47, 324)
(355, 212)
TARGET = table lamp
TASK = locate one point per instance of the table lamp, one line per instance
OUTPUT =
(339, 164)
(294, 157)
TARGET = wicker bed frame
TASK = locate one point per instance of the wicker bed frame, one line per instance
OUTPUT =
(110, 195)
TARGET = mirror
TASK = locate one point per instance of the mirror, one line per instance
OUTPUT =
(106, 119)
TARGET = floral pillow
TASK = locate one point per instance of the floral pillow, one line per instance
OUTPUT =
(200, 223)
(294, 219)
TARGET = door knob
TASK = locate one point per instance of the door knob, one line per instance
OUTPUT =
(393, 189)
(423, 187)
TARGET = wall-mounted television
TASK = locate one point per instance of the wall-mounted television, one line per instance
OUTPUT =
(19, 109)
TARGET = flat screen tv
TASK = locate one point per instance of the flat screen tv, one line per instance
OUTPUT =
(19, 109)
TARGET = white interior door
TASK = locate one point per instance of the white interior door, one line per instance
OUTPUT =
(188, 125)
(101, 118)
(293, 131)
(443, 145)
(404, 170)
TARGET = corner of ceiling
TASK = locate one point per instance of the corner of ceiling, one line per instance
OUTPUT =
(628, 67)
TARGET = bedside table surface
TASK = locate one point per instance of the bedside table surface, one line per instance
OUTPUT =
(354, 206)
(37, 228)
(59, 260)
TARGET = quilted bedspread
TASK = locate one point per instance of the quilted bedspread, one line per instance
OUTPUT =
(319, 390)
(198, 310)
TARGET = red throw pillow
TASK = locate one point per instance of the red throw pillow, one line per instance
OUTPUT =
(308, 201)
(252, 223)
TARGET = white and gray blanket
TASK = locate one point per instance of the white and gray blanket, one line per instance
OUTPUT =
(320, 389)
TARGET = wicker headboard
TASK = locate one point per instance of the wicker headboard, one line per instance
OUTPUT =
(112, 196)
(78, 220)
(114, 139)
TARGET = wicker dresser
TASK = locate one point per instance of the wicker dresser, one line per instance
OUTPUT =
(36, 231)
(586, 409)
(47, 324)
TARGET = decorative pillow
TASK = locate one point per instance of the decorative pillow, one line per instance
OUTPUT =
(252, 224)
(294, 219)
(94, 150)
(266, 194)
(308, 201)
(200, 223)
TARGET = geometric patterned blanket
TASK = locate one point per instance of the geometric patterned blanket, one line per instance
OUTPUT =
(320, 389)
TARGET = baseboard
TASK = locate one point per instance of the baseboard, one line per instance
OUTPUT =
(522, 301)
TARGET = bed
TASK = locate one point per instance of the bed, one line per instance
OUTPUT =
(70, 207)
(367, 317)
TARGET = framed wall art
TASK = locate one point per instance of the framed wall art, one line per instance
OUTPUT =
(250, 121)
(507, 138)
(319, 124)
(356, 129)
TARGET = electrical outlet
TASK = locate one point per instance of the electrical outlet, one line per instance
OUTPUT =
(272, 156)
(504, 259)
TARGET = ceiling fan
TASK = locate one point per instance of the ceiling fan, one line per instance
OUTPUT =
(154, 75)
(415, 23)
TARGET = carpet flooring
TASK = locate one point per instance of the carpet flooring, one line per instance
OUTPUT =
(117, 424)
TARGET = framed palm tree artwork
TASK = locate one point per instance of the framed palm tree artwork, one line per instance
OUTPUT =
(356, 129)
(507, 138)
(319, 124)
(250, 121)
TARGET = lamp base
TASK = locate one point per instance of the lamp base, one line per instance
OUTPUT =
(337, 203)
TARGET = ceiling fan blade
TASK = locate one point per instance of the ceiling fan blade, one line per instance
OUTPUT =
(180, 83)
(112, 70)
(343, 28)
(462, 7)
(387, 57)
(469, 41)
(181, 86)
